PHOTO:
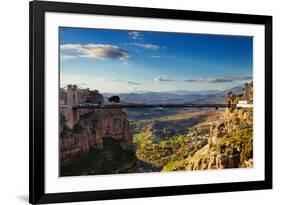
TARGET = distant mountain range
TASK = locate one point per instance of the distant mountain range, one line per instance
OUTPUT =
(177, 97)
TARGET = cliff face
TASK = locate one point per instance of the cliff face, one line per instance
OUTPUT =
(91, 130)
(230, 143)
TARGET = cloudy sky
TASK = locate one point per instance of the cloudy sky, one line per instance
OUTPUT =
(133, 61)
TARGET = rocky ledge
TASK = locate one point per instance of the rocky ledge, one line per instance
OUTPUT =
(90, 131)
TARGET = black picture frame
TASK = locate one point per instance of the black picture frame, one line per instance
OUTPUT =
(37, 194)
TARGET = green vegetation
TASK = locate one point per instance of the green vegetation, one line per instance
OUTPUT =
(239, 141)
(231, 143)
(111, 159)
(191, 141)
(142, 138)
(231, 151)
(167, 152)
(183, 141)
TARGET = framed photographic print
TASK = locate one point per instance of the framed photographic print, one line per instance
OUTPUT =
(140, 102)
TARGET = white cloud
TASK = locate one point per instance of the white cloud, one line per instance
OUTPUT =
(96, 51)
(70, 47)
(67, 57)
(161, 57)
(135, 35)
(133, 83)
(153, 56)
(147, 46)
(162, 78)
(193, 80)
(241, 77)
(121, 80)
(114, 85)
(220, 79)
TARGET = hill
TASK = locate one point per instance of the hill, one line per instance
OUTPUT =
(178, 96)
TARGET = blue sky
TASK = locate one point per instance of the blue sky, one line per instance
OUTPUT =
(135, 61)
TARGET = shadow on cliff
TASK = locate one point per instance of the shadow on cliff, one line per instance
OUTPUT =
(111, 159)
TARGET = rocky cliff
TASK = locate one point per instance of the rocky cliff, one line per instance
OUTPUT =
(230, 143)
(91, 130)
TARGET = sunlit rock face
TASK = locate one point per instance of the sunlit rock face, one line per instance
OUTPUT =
(230, 143)
(90, 131)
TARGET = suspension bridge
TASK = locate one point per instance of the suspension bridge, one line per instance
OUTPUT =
(73, 102)
(160, 106)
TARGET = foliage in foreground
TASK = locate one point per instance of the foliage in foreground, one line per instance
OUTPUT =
(109, 160)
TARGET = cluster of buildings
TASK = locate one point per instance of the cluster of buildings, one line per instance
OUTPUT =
(72, 96)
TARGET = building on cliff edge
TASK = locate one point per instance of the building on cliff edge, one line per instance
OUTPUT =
(71, 96)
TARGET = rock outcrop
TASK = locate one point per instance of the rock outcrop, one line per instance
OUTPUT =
(91, 130)
(230, 143)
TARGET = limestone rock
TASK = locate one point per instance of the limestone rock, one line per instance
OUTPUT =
(91, 129)
(230, 140)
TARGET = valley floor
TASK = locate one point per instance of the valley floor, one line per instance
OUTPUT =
(166, 140)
